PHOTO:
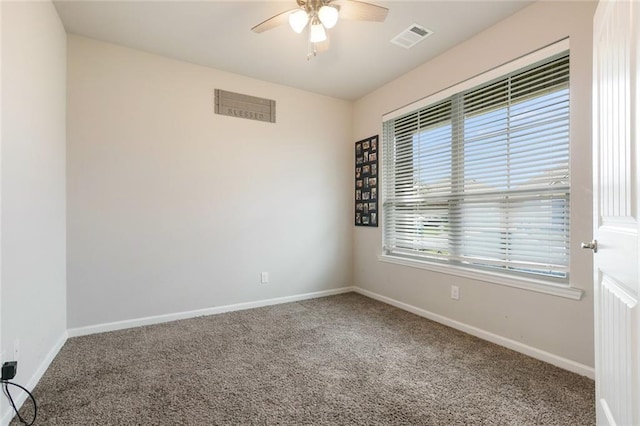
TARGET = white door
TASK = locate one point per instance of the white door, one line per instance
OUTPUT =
(616, 121)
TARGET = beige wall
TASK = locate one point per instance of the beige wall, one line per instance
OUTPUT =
(33, 277)
(172, 208)
(556, 325)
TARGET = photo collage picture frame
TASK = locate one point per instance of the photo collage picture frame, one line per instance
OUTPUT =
(367, 181)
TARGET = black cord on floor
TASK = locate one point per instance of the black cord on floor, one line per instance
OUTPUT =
(5, 389)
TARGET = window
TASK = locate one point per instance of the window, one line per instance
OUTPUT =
(480, 179)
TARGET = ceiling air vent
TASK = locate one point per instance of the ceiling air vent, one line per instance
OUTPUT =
(411, 36)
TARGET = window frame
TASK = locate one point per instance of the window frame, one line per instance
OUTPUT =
(546, 285)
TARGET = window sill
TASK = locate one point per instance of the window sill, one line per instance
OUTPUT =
(539, 286)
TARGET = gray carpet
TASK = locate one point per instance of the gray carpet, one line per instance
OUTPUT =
(343, 359)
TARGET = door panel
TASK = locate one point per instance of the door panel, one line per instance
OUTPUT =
(615, 191)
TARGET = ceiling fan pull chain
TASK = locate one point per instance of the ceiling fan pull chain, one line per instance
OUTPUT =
(311, 47)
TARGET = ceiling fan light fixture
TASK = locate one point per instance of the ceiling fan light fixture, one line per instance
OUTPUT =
(316, 17)
(328, 16)
(317, 33)
(298, 20)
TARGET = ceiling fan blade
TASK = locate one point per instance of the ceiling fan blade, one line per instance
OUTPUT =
(274, 21)
(361, 11)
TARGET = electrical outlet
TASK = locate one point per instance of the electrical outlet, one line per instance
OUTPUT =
(9, 370)
(264, 277)
(455, 292)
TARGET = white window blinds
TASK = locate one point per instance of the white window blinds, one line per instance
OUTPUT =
(481, 179)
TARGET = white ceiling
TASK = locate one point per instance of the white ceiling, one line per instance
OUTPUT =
(217, 34)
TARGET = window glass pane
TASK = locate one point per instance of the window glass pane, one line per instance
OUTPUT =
(432, 159)
(486, 162)
(482, 178)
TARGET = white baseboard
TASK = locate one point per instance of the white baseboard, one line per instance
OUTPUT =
(21, 397)
(157, 319)
(550, 358)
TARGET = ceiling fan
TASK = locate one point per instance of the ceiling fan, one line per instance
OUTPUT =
(321, 15)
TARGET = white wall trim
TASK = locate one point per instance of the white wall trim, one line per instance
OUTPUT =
(21, 397)
(157, 319)
(550, 358)
(531, 284)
